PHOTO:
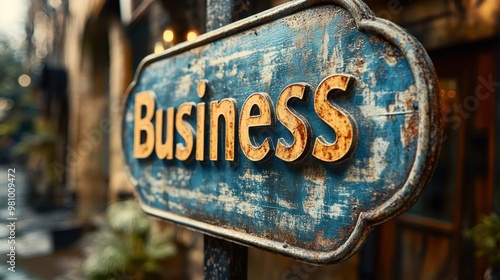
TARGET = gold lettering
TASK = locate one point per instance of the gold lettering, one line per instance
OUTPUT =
(184, 152)
(165, 149)
(295, 123)
(257, 112)
(200, 132)
(227, 109)
(145, 100)
(265, 117)
(339, 120)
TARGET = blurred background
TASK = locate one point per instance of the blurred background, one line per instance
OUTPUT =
(64, 66)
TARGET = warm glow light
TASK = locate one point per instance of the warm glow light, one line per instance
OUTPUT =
(5, 104)
(24, 80)
(159, 48)
(452, 94)
(168, 35)
(191, 36)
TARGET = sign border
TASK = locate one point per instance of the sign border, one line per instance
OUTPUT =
(429, 130)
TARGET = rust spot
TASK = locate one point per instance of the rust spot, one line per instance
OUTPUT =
(360, 63)
(410, 104)
(287, 237)
(303, 133)
(324, 244)
(349, 134)
(376, 39)
(411, 129)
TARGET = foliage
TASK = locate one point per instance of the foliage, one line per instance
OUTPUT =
(38, 150)
(18, 120)
(129, 246)
(486, 237)
(43, 138)
(10, 69)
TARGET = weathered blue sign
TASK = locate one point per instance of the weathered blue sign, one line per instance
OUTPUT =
(296, 130)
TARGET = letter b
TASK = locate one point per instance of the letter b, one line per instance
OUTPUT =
(143, 125)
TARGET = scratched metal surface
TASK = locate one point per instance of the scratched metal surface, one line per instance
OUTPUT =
(312, 211)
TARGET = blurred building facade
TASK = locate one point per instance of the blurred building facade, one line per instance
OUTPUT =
(462, 39)
(89, 50)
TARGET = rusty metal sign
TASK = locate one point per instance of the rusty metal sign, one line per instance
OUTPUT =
(296, 130)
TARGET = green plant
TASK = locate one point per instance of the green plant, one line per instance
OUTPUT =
(486, 237)
(129, 245)
(38, 150)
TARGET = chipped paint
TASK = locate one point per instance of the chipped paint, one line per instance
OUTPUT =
(251, 176)
(185, 84)
(129, 117)
(315, 193)
(267, 67)
(308, 209)
(222, 60)
(372, 169)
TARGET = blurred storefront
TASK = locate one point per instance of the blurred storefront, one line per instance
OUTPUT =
(462, 38)
(96, 45)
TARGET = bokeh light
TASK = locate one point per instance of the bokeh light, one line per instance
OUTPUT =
(191, 36)
(168, 35)
(159, 48)
(24, 80)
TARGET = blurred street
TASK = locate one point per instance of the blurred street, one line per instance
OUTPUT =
(38, 252)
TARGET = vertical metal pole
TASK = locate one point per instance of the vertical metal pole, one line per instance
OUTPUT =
(224, 259)
(223, 12)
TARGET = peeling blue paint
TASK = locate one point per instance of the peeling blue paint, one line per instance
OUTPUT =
(311, 205)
